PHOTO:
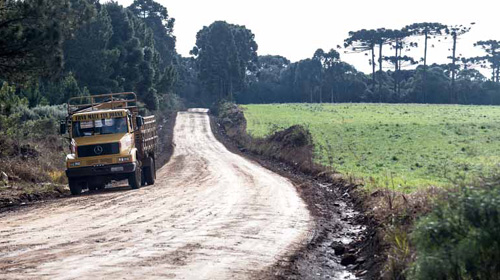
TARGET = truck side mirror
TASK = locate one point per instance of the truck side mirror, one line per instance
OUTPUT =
(140, 121)
(62, 128)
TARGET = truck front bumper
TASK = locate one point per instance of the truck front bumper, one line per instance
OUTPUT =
(105, 170)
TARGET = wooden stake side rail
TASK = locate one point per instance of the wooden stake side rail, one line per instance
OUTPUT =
(147, 138)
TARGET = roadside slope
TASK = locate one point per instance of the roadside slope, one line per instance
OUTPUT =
(212, 214)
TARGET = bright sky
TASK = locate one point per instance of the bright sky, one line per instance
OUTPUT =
(295, 29)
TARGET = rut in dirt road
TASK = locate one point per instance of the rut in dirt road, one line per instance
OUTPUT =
(211, 215)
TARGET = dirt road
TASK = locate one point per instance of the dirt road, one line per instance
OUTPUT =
(211, 215)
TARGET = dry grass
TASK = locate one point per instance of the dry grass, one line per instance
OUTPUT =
(395, 214)
(34, 167)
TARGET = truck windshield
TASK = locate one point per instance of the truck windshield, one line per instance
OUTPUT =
(99, 127)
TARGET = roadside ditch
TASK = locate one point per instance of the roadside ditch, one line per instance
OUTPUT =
(345, 243)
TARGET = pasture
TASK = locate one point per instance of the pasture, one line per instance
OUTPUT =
(404, 146)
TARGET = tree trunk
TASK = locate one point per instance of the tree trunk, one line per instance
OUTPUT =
(396, 67)
(453, 71)
(493, 74)
(498, 73)
(380, 71)
(424, 88)
(373, 68)
(321, 95)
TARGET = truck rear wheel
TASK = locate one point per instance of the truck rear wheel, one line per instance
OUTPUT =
(134, 179)
(150, 172)
(75, 186)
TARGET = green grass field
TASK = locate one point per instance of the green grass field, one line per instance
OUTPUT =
(401, 145)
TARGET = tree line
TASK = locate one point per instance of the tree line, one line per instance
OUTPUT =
(53, 50)
(326, 78)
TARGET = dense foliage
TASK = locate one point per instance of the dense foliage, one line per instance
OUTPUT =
(60, 49)
(460, 238)
(32, 34)
(314, 81)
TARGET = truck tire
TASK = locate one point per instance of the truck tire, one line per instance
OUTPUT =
(150, 173)
(134, 179)
(75, 186)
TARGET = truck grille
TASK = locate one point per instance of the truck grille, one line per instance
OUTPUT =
(98, 150)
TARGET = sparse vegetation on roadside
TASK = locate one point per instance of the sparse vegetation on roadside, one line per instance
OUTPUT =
(31, 151)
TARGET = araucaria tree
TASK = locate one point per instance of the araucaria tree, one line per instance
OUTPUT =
(224, 53)
(455, 31)
(384, 36)
(399, 44)
(362, 41)
(492, 48)
(428, 30)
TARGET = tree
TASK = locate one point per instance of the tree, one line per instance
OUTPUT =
(328, 62)
(362, 41)
(32, 33)
(455, 31)
(308, 78)
(156, 17)
(269, 68)
(437, 83)
(137, 64)
(399, 44)
(223, 53)
(428, 30)
(88, 56)
(492, 48)
(383, 36)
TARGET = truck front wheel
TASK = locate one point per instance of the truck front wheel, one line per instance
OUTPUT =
(75, 186)
(134, 179)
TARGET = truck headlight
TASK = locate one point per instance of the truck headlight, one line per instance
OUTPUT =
(123, 159)
(74, 164)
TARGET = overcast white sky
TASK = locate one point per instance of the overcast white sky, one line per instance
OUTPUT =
(295, 29)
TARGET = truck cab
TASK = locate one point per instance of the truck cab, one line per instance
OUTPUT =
(109, 141)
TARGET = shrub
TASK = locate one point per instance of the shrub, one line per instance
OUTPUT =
(460, 238)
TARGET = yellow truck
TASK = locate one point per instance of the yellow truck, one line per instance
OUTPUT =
(109, 141)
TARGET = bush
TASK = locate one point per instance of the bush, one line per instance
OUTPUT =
(56, 112)
(460, 238)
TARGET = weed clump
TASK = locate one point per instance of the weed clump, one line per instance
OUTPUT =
(293, 137)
